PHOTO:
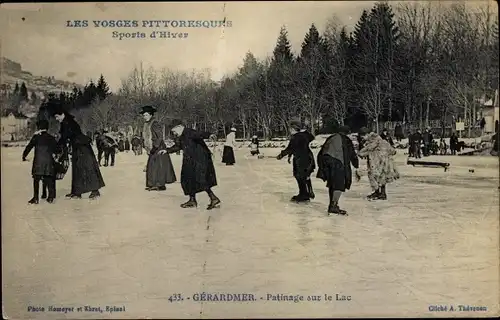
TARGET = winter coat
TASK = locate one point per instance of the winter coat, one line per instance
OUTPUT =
(381, 169)
(86, 175)
(398, 131)
(45, 148)
(337, 174)
(159, 169)
(198, 171)
(303, 158)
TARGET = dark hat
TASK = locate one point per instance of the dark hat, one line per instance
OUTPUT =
(176, 122)
(344, 129)
(296, 124)
(148, 109)
(42, 124)
(55, 107)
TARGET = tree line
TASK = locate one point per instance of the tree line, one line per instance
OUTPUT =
(412, 63)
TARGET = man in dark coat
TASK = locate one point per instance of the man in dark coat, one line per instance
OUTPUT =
(398, 132)
(159, 169)
(416, 143)
(107, 145)
(303, 160)
(427, 139)
(334, 166)
(43, 167)
(385, 135)
(198, 171)
(454, 143)
(86, 176)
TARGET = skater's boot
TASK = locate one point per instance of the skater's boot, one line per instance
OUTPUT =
(374, 195)
(50, 200)
(214, 201)
(73, 196)
(191, 203)
(95, 194)
(302, 198)
(382, 195)
(333, 208)
(294, 198)
(162, 188)
(33, 201)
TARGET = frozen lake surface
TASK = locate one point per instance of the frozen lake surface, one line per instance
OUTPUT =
(434, 242)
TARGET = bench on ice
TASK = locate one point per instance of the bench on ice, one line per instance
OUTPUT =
(432, 164)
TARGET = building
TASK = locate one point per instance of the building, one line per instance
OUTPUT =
(490, 113)
(15, 125)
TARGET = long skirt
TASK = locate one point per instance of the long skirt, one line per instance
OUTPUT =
(228, 155)
(335, 174)
(159, 171)
(86, 175)
(254, 149)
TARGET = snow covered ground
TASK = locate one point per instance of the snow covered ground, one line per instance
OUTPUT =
(434, 242)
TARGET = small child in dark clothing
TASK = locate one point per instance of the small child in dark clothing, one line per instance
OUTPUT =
(43, 167)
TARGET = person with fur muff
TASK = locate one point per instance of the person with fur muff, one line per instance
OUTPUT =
(228, 151)
(198, 171)
(303, 160)
(334, 166)
(381, 167)
(159, 169)
(43, 167)
(85, 173)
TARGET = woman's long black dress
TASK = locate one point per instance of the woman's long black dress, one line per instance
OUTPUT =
(86, 176)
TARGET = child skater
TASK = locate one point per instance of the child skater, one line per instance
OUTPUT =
(43, 167)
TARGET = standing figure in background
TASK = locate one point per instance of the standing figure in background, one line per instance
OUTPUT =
(198, 171)
(229, 145)
(398, 132)
(254, 146)
(427, 139)
(303, 160)
(334, 166)
(136, 145)
(454, 143)
(127, 144)
(416, 144)
(86, 176)
(381, 169)
(121, 143)
(43, 167)
(442, 147)
(159, 169)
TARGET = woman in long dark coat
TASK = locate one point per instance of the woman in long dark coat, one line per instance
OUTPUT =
(198, 171)
(159, 169)
(86, 176)
(303, 160)
(334, 166)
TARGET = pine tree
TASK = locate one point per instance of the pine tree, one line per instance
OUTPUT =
(102, 88)
(282, 53)
(16, 89)
(23, 92)
(34, 98)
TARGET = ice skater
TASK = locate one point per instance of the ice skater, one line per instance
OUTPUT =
(334, 166)
(303, 160)
(86, 176)
(228, 151)
(43, 167)
(254, 146)
(159, 169)
(198, 171)
(381, 167)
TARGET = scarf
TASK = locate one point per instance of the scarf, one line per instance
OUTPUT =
(334, 147)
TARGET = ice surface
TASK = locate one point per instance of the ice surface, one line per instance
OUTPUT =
(434, 242)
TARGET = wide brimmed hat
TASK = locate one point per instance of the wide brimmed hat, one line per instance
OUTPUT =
(148, 109)
(175, 123)
(233, 129)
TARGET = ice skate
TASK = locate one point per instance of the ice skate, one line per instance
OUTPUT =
(381, 196)
(50, 200)
(373, 196)
(214, 203)
(301, 198)
(162, 188)
(33, 201)
(191, 203)
(334, 209)
(73, 196)
(94, 195)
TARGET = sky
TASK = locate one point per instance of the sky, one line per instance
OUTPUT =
(36, 35)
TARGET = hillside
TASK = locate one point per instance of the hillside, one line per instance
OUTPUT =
(11, 72)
